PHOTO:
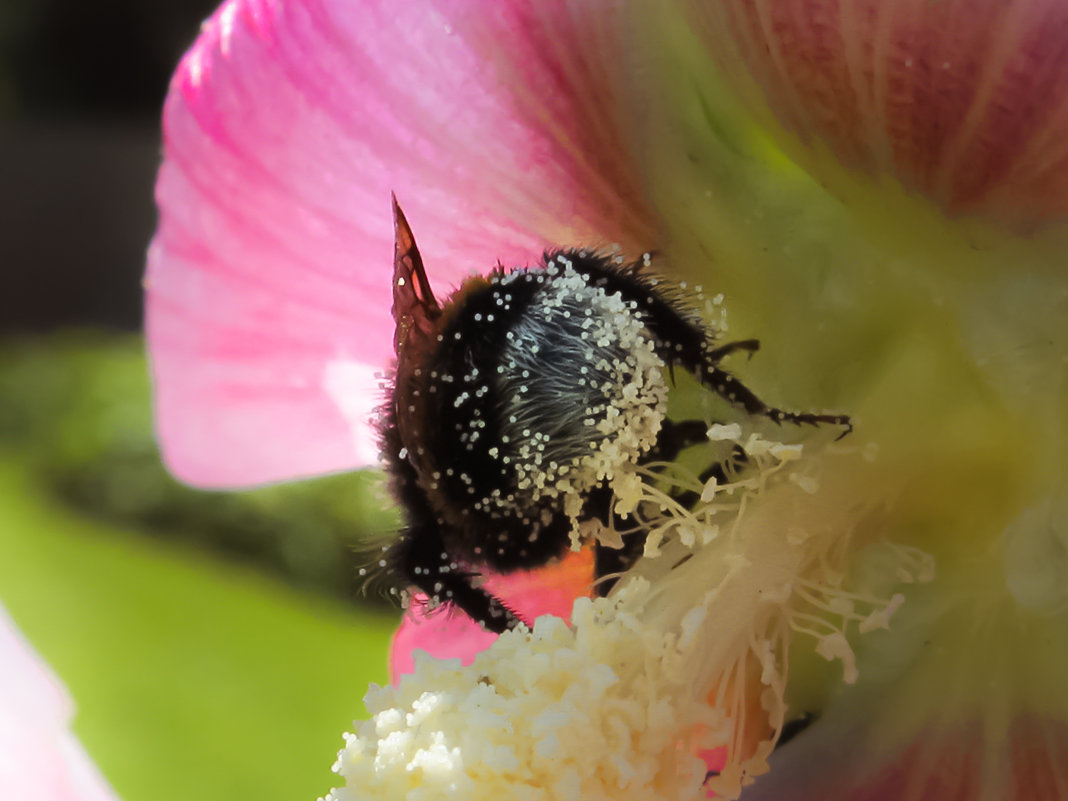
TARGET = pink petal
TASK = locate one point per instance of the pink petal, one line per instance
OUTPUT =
(39, 757)
(965, 101)
(446, 635)
(287, 125)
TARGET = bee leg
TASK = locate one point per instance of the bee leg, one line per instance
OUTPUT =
(794, 727)
(717, 355)
(421, 558)
(731, 389)
(613, 562)
(684, 341)
(674, 438)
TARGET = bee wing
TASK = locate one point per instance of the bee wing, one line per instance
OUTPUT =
(414, 306)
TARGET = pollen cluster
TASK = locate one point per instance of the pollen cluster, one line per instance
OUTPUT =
(688, 653)
(557, 712)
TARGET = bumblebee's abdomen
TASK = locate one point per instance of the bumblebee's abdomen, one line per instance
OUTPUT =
(551, 385)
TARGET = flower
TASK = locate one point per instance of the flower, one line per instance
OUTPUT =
(963, 102)
(41, 758)
(891, 227)
(686, 658)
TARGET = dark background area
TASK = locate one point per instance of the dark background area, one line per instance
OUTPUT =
(220, 632)
(217, 631)
(81, 89)
(82, 86)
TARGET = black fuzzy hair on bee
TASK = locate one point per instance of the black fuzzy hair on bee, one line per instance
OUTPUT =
(514, 403)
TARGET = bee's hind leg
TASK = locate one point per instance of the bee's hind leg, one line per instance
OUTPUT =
(674, 438)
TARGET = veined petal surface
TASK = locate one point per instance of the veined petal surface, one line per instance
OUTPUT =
(287, 126)
(965, 101)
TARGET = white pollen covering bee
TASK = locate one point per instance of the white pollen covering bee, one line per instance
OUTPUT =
(523, 406)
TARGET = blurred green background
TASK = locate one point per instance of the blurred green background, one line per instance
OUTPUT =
(216, 644)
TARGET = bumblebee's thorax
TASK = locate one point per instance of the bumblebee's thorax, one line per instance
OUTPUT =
(526, 410)
(541, 386)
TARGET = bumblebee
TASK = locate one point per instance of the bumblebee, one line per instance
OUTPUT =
(515, 403)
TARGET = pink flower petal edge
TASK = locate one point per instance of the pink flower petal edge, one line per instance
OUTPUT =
(286, 127)
(446, 635)
(39, 756)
